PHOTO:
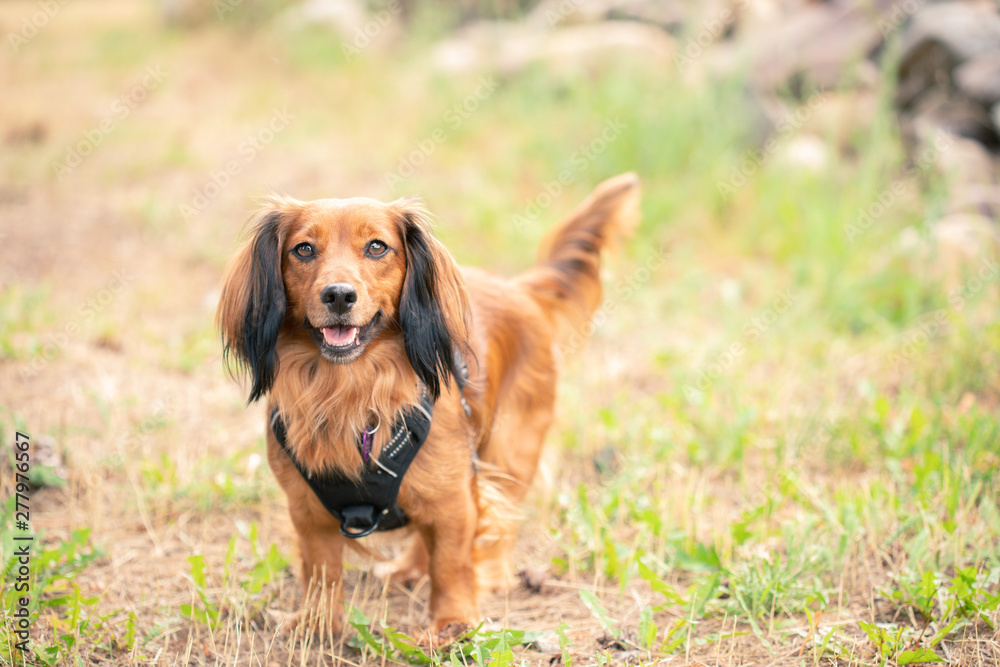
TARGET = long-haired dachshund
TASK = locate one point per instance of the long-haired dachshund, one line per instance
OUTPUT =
(363, 333)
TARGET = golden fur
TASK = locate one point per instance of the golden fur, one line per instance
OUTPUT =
(413, 307)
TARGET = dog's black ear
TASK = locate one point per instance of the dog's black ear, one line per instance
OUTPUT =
(252, 306)
(433, 308)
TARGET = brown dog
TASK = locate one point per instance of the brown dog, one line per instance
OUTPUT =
(349, 313)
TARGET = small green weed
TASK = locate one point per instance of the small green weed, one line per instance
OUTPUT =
(242, 591)
(73, 626)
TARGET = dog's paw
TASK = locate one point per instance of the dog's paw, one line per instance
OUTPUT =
(287, 621)
(449, 632)
(443, 632)
(308, 622)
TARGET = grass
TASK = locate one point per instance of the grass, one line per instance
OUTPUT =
(778, 448)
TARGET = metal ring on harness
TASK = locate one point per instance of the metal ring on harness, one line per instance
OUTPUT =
(351, 517)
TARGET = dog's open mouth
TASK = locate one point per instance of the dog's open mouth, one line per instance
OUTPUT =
(337, 336)
(341, 343)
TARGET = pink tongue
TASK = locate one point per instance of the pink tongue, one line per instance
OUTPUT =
(339, 336)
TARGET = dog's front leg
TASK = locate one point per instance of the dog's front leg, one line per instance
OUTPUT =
(321, 547)
(322, 550)
(452, 570)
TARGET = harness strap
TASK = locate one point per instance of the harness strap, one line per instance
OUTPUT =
(463, 371)
(364, 506)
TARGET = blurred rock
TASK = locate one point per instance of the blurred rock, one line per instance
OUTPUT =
(812, 46)
(940, 38)
(599, 41)
(511, 47)
(350, 20)
(344, 16)
(973, 188)
(843, 113)
(976, 199)
(979, 78)
(181, 12)
(667, 14)
(497, 45)
(955, 113)
(949, 72)
(754, 14)
(967, 235)
(963, 29)
(967, 162)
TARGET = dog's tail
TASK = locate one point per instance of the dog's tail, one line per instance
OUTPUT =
(566, 279)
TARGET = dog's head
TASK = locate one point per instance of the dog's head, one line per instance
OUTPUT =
(341, 275)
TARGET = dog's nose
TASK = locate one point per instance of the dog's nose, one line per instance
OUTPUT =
(338, 297)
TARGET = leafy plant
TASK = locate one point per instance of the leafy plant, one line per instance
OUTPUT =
(242, 587)
(564, 644)
(207, 612)
(609, 624)
(51, 586)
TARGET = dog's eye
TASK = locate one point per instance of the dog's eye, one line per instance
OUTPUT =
(304, 250)
(376, 249)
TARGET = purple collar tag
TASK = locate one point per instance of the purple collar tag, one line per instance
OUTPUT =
(366, 445)
(366, 441)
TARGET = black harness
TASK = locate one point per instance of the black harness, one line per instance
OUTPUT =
(364, 506)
